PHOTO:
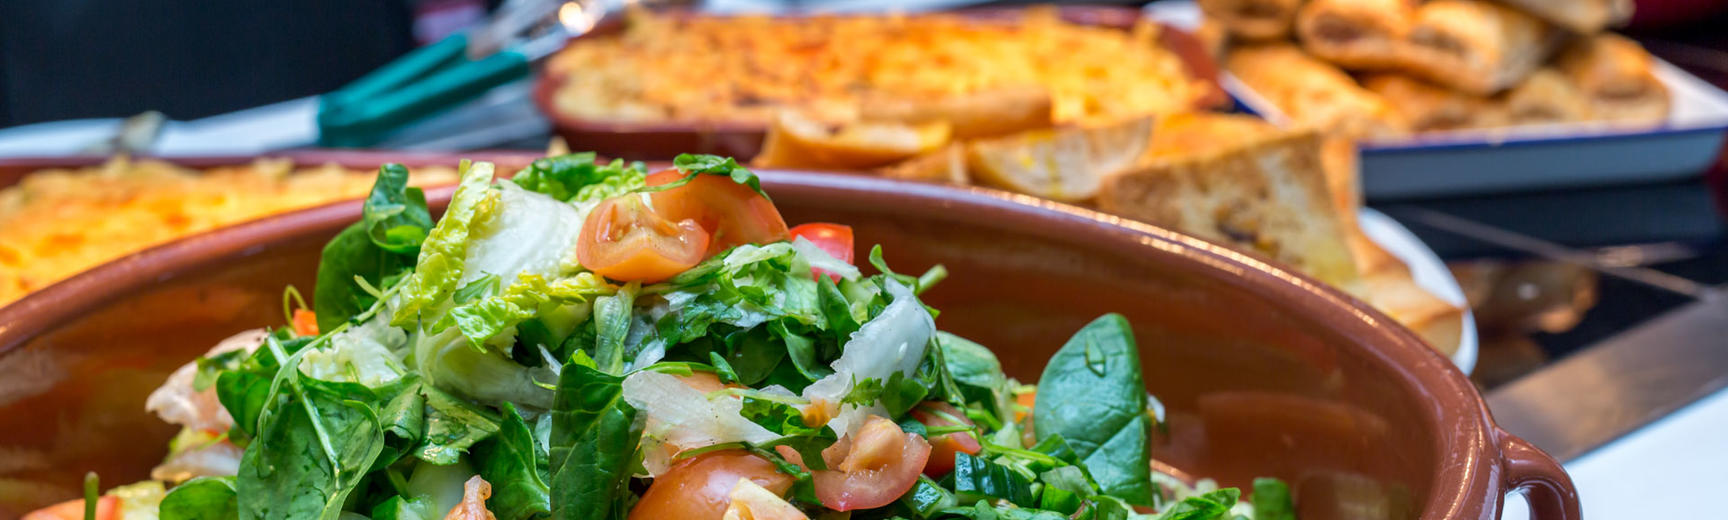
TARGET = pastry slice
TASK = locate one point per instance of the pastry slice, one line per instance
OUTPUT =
(1267, 197)
(1546, 97)
(1314, 93)
(989, 113)
(1356, 33)
(1429, 107)
(1253, 19)
(1617, 76)
(1064, 164)
(1580, 16)
(1476, 46)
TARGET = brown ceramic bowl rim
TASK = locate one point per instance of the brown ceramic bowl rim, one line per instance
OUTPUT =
(1476, 462)
(1197, 62)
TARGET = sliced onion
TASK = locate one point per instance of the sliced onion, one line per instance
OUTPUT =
(893, 341)
(684, 418)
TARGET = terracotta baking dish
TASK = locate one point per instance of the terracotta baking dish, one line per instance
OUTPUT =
(663, 140)
(1263, 371)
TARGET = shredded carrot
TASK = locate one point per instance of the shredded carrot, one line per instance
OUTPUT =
(305, 322)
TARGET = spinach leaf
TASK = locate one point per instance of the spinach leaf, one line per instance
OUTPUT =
(1092, 394)
(403, 419)
(514, 464)
(752, 355)
(202, 498)
(592, 446)
(452, 426)
(978, 479)
(314, 447)
(1271, 500)
(1210, 506)
(336, 296)
(395, 215)
(399, 508)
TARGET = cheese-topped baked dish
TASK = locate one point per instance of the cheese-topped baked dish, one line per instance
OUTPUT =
(57, 223)
(682, 68)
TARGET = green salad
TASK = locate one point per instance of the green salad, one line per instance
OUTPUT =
(595, 341)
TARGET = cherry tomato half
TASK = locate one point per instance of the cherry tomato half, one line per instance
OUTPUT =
(625, 240)
(732, 213)
(943, 447)
(699, 488)
(835, 239)
(869, 469)
(107, 508)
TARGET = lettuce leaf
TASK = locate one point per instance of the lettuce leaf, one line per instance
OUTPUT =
(443, 254)
(480, 320)
(571, 176)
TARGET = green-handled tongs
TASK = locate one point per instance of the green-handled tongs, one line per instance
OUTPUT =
(459, 68)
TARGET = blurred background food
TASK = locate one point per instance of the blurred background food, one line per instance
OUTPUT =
(59, 222)
(1388, 68)
(672, 68)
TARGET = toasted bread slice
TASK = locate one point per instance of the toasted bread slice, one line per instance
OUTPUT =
(1267, 196)
(975, 115)
(946, 166)
(1064, 164)
(1387, 285)
(796, 139)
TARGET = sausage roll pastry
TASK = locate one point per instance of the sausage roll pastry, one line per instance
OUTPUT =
(1546, 97)
(1314, 93)
(1581, 16)
(1477, 46)
(1253, 19)
(1616, 76)
(1429, 107)
(1356, 33)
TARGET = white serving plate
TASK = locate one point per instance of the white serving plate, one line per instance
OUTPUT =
(1525, 158)
(1430, 274)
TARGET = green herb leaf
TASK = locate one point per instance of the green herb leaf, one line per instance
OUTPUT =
(1091, 393)
(202, 498)
(716, 165)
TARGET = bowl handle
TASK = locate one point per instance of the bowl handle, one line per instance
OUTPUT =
(1546, 485)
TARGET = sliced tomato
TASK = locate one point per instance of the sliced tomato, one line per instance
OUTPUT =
(943, 447)
(699, 488)
(835, 239)
(870, 469)
(305, 322)
(107, 508)
(732, 213)
(706, 382)
(623, 239)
